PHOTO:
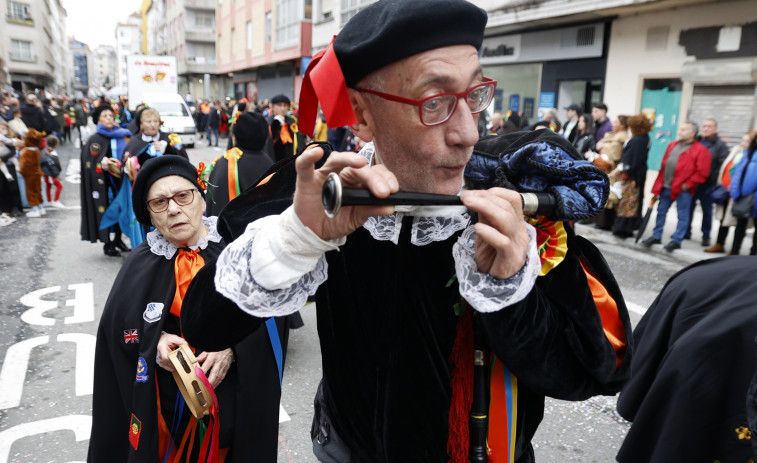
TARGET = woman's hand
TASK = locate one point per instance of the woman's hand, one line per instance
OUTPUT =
(217, 363)
(168, 342)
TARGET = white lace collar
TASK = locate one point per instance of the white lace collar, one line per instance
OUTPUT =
(160, 246)
(430, 223)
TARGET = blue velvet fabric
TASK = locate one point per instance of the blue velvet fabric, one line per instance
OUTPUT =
(540, 163)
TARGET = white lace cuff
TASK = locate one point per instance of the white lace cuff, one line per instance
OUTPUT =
(285, 250)
(234, 279)
(484, 292)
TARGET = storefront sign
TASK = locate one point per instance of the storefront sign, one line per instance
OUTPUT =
(502, 49)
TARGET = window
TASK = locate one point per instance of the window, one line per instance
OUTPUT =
(351, 7)
(21, 50)
(249, 35)
(20, 11)
(204, 20)
(268, 27)
(288, 19)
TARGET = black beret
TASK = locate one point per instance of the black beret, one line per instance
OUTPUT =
(154, 169)
(390, 30)
(251, 131)
(280, 99)
(99, 110)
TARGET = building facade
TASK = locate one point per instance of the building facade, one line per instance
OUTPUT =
(34, 45)
(106, 66)
(670, 59)
(185, 29)
(263, 46)
(83, 68)
(128, 42)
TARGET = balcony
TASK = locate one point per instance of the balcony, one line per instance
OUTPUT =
(198, 65)
(22, 20)
(200, 4)
(200, 36)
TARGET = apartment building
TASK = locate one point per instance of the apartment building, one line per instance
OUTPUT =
(128, 42)
(34, 49)
(263, 46)
(83, 75)
(105, 66)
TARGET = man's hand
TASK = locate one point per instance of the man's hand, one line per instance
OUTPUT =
(501, 236)
(167, 343)
(354, 172)
(217, 363)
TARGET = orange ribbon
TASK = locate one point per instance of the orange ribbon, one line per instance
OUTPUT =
(284, 135)
(186, 266)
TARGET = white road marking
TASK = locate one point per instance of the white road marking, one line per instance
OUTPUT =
(79, 424)
(85, 360)
(35, 315)
(73, 171)
(13, 374)
(83, 303)
(283, 416)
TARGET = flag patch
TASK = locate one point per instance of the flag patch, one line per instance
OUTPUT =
(135, 429)
(131, 336)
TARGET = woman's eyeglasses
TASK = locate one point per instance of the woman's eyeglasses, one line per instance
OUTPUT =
(182, 198)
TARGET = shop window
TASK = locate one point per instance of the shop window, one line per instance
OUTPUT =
(204, 20)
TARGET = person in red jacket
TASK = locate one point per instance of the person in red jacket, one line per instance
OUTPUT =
(685, 166)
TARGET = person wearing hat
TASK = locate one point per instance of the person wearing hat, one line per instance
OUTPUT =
(101, 160)
(240, 167)
(568, 131)
(149, 142)
(285, 136)
(137, 412)
(398, 291)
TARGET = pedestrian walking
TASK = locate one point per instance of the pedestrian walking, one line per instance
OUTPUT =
(52, 168)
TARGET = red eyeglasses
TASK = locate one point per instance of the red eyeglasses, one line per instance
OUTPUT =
(437, 109)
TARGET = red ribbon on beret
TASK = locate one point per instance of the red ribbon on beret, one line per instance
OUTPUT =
(324, 82)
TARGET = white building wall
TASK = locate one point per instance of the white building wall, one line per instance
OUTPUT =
(629, 62)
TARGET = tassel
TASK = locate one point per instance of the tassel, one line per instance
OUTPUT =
(461, 361)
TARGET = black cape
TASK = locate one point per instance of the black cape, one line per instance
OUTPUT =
(250, 168)
(692, 367)
(281, 150)
(96, 184)
(138, 147)
(248, 396)
(386, 325)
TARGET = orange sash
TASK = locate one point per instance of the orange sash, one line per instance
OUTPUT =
(186, 266)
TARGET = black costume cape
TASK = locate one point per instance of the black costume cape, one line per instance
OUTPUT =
(248, 396)
(386, 325)
(94, 187)
(694, 360)
(138, 147)
(250, 167)
(281, 150)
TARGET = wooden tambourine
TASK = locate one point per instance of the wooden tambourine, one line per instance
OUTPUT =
(195, 393)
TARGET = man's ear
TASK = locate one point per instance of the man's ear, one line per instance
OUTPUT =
(365, 120)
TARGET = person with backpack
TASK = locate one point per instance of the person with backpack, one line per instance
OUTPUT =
(51, 168)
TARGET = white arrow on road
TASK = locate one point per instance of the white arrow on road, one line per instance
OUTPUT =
(85, 360)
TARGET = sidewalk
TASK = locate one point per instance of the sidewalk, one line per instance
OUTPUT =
(691, 250)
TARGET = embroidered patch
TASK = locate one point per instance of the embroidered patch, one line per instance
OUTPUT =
(131, 336)
(88, 165)
(135, 429)
(101, 209)
(100, 181)
(153, 312)
(142, 375)
(94, 149)
(95, 194)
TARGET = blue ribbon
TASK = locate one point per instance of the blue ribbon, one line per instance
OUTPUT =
(273, 335)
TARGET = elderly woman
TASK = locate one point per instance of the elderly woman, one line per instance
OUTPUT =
(149, 142)
(100, 178)
(134, 391)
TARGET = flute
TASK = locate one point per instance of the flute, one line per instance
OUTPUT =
(334, 196)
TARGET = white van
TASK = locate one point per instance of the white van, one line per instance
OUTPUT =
(175, 116)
